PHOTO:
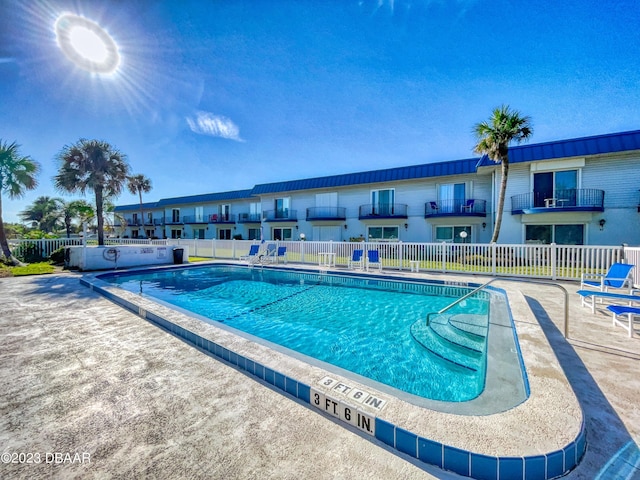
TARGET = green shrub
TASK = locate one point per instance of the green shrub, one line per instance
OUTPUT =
(57, 256)
(29, 252)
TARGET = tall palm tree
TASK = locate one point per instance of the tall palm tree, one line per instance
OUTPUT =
(45, 211)
(138, 184)
(92, 165)
(79, 209)
(17, 174)
(494, 136)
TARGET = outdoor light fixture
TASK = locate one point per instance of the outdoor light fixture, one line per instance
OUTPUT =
(484, 225)
(406, 225)
(602, 222)
(345, 226)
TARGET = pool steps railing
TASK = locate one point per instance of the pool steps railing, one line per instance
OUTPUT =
(565, 329)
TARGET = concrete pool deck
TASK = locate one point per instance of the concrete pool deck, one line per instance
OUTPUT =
(83, 375)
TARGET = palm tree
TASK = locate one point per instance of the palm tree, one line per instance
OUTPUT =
(138, 184)
(76, 209)
(494, 136)
(45, 211)
(17, 174)
(92, 165)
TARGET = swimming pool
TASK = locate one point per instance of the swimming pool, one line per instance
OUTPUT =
(372, 329)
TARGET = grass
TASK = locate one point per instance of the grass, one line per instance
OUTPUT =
(39, 268)
(199, 259)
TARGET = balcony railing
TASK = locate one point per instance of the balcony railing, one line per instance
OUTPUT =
(570, 200)
(326, 213)
(470, 207)
(158, 222)
(284, 215)
(222, 218)
(383, 210)
(250, 218)
(133, 223)
(195, 219)
(174, 220)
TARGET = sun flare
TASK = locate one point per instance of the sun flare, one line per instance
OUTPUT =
(87, 44)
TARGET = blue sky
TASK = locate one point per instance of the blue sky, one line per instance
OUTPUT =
(221, 95)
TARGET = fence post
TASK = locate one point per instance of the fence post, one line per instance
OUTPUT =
(302, 251)
(554, 260)
(442, 255)
(494, 256)
(233, 249)
(213, 247)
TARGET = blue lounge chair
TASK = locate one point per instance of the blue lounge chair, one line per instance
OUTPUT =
(282, 254)
(589, 298)
(621, 310)
(468, 206)
(618, 276)
(270, 254)
(373, 259)
(357, 260)
(253, 253)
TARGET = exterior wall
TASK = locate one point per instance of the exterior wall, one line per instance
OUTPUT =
(618, 175)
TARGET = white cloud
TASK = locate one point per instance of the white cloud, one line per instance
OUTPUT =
(206, 123)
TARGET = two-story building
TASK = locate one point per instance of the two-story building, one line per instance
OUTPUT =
(578, 191)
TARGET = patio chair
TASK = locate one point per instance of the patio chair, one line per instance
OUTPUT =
(357, 260)
(282, 254)
(373, 259)
(622, 310)
(468, 206)
(618, 276)
(252, 255)
(434, 207)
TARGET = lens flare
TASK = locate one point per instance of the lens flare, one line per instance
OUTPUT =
(86, 44)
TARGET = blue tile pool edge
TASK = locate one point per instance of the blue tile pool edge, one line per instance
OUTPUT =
(463, 462)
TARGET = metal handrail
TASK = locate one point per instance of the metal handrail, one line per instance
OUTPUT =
(541, 282)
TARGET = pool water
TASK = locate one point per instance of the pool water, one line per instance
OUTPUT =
(366, 326)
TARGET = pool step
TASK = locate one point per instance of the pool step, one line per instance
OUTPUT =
(471, 325)
(463, 331)
(448, 351)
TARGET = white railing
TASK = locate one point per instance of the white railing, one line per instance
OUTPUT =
(43, 247)
(555, 262)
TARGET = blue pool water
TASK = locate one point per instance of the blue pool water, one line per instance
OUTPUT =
(373, 328)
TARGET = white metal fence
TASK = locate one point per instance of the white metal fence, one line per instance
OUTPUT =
(556, 262)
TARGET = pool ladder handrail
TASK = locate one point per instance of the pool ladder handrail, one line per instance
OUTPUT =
(512, 279)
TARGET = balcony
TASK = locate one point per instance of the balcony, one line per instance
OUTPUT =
(222, 218)
(250, 218)
(326, 213)
(571, 200)
(133, 223)
(158, 222)
(382, 210)
(174, 221)
(470, 207)
(194, 219)
(284, 215)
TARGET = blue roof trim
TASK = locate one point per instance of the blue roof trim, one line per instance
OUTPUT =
(135, 206)
(205, 197)
(575, 147)
(439, 169)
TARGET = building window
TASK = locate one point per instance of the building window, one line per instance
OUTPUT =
(560, 234)
(135, 219)
(149, 218)
(382, 233)
(451, 197)
(134, 233)
(282, 206)
(150, 233)
(282, 234)
(224, 212)
(557, 186)
(224, 234)
(198, 233)
(199, 217)
(254, 234)
(175, 217)
(452, 234)
(176, 233)
(382, 202)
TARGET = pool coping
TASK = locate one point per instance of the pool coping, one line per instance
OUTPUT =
(542, 438)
